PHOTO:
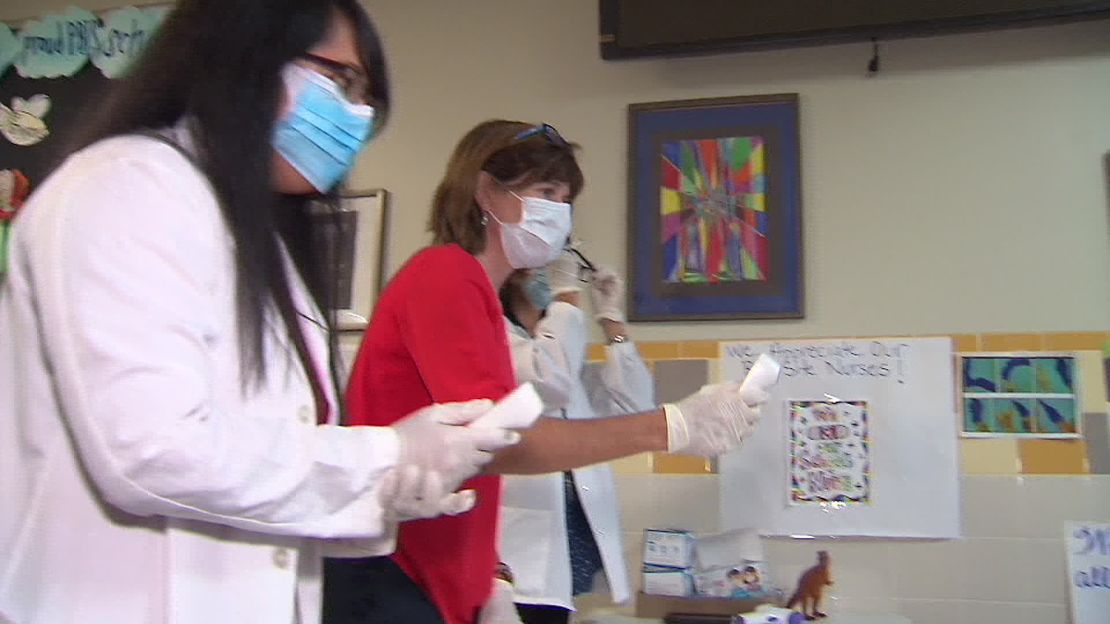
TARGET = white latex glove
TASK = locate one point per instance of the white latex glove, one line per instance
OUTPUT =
(408, 493)
(607, 295)
(713, 421)
(562, 275)
(499, 609)
(433, 440)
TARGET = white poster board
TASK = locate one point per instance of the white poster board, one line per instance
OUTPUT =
(1088, 545)
(907, 386)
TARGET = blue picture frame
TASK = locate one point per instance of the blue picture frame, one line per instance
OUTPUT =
(715, 209)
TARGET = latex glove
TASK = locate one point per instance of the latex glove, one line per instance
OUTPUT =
(562, 275)
(713, 421)
(499, 609)
(607, 295)
(433, 440)
(408, 493)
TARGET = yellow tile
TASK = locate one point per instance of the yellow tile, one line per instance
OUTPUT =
(708, 349)
(965, 342)
(635, 464)
(1053, 457)
(1012, 342)
(989, 456)
(658, 350)
(666, 463)
(595, 352)
(1074, 341)
(1092, 381)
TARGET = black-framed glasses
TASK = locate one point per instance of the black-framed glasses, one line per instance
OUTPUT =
(353, 82)
(547, 131)
(586, 269)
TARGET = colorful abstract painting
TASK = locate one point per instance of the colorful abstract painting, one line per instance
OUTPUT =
(830, 453)
(1017, 394)
(713, 208)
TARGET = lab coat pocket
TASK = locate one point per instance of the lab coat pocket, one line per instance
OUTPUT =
(526, 546)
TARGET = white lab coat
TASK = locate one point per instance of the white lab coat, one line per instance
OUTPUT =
(138, 484)
(533, 539)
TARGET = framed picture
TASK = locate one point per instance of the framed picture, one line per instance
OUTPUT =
(355, 240)
(714, 209)
(1019, 395)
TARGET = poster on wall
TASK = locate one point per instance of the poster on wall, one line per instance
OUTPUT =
(1088, 554)
(858, 438)
(830, 453)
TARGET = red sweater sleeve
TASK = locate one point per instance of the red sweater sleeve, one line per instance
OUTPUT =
(460, 353)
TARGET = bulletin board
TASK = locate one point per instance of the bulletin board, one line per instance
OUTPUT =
(859, 438)
(54, 69)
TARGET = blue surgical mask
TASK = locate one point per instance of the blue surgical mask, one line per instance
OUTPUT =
(537, 290)
(323, 132)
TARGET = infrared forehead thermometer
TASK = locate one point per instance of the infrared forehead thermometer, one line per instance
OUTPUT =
(517, 410)
(760, 379)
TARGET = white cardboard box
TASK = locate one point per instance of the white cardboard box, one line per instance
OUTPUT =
(669, 548)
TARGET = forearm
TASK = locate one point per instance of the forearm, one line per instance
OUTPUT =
(556, 445)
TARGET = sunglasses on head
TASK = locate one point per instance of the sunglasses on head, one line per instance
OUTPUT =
(545, 130)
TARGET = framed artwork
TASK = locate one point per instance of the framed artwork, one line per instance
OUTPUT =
(354, 238)
(714, 209)
(1029, 395)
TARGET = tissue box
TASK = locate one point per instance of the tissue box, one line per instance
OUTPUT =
(659, 581)
(668, 548)
(743, 580)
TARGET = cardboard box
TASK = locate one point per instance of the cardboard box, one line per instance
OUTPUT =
(741, 580)
(648, 606)
(660, 581)
(670, 548)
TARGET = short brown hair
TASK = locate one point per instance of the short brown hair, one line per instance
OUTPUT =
(492, 146)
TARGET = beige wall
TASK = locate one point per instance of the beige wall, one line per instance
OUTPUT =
(960, 190)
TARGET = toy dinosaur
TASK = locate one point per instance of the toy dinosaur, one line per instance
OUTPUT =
(811, 585)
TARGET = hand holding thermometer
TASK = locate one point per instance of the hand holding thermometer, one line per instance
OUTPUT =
(517, 410)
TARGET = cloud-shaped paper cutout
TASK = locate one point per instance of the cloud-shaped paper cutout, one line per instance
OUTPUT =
(124, 35)
(9, 47)
(57, 45)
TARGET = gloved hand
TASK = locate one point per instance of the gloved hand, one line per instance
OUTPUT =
(433, 440)
(607, 295)
(713, 421)
(499, 609)
(562, 275)
(409, 493)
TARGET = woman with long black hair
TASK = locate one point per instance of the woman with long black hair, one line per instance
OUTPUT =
(168, 441)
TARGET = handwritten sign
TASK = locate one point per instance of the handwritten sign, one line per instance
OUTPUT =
(870, 359)
(1088, 545)
(830, 453)
(858, 438)
(60, 44)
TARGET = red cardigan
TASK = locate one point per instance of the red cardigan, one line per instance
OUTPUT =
(437, 335)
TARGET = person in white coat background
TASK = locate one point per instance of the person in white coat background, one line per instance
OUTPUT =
(169, 439)
(560, 529)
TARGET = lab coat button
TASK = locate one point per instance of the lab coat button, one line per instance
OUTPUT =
(281, 558)
(585, 488)
(304, 414)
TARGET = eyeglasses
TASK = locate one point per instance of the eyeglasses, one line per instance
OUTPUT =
(547, 131)
(586, 269)
(353, 82)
